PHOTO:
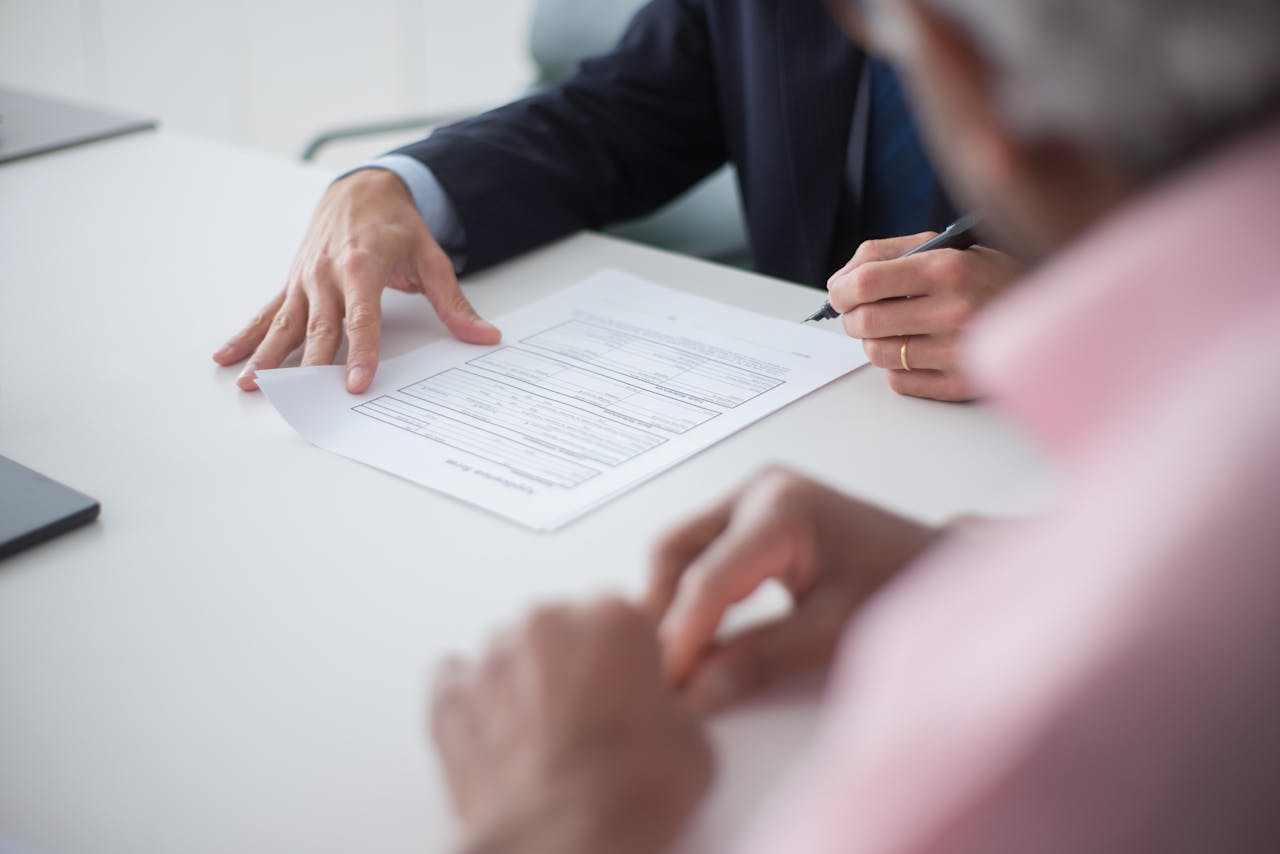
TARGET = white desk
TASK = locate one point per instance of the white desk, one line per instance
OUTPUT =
(234, 659)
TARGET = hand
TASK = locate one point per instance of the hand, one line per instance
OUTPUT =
(829, 551)
(366, 235)
(566, 739)
(946, 287)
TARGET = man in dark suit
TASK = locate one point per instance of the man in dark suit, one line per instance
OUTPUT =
(826, 154)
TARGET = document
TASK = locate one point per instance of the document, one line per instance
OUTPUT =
(592, 391)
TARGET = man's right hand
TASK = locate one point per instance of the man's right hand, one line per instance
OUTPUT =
(366, 235)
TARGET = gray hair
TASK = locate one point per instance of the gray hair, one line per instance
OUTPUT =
(1146, 83)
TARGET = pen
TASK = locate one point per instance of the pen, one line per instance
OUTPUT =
(958, 235)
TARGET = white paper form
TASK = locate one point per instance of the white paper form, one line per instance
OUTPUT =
(592, 391)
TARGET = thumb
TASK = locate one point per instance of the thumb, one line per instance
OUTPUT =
(752, 662)
(440, 286)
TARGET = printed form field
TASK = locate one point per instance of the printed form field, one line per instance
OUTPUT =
(574, 400)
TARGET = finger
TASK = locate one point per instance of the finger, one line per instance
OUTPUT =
(879, 280)
(759, 658)
(950, 386)
(728, 571)
(923, 352)
(364, 337)
(924, 274)
(247, 339)
(676, 550)
(925, 315)
(884, 250)
(440, 286)
(286, 333)
(324, 326)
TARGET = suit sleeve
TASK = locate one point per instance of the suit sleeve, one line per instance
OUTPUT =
(628, 132)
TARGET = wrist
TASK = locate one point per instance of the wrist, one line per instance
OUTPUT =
(375, 180)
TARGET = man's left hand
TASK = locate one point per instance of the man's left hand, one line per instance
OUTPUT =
(566, 739)
(925, 302)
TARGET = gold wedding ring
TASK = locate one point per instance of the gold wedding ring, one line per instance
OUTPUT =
(902, 354)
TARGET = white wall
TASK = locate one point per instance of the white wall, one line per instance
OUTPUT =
(269, 73)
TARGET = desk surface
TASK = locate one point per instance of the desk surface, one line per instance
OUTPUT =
(234, 658)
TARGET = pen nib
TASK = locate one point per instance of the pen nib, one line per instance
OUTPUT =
(823, 313)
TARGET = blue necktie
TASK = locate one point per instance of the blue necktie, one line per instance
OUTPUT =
(899, 190)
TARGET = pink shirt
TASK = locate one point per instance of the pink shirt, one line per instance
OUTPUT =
(1107, 678)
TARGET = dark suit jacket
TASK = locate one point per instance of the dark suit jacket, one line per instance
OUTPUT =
(769, 85)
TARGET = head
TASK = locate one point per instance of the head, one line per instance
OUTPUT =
(1046, 114)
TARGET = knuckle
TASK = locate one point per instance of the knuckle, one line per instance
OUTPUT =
(356, 259)
(282, 322)
(862, 283)
(868, 250)
(877, 351)
(318, 268)
(321, 328)
(361, 317)
(863, 321)
(900, 382)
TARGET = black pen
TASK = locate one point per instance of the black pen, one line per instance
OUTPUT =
(958, 235)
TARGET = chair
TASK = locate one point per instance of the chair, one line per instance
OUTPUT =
(706, 221)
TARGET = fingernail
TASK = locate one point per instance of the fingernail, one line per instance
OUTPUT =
(248, 378)
(357, 378)
(224, 352)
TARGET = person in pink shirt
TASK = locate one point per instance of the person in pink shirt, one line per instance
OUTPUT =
(1104, 678)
